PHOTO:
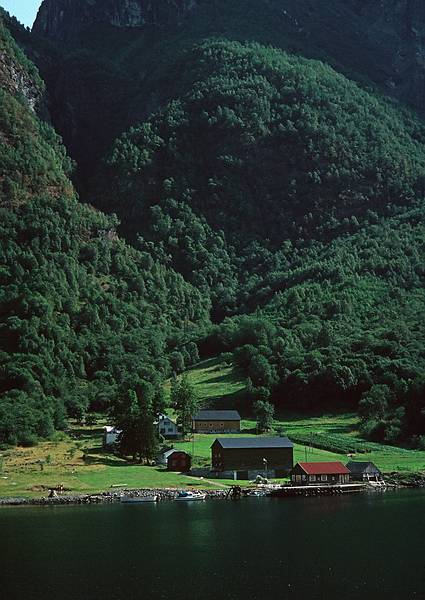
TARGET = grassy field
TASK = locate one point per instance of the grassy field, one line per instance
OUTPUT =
(80, 465)
(217, 384)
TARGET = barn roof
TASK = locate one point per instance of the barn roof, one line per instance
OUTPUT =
(360, 466)
(324, 468)
(174, 451)
(217, 415)
(260, 442)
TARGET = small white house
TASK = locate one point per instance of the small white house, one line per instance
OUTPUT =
(166, 427)
(110, 435)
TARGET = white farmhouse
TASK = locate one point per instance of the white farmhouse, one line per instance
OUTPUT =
(166, 427)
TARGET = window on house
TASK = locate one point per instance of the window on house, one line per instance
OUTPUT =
(323, 477)
(312, 477)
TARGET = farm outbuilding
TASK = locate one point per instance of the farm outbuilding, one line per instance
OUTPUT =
(245, 458)
(162, 457)
(319, 473)
(179, 461)
(216, 421)
(110, 436)
(364, 471)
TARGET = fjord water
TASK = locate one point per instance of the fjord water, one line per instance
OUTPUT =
(365, 546)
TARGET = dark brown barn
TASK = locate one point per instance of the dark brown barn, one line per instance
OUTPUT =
(216, 421)
(317, 473)
(179, 461)
(267, 455)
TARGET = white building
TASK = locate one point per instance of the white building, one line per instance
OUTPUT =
(166, 427)
(110, 435)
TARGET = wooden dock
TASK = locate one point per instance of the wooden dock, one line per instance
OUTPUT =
(290, 491)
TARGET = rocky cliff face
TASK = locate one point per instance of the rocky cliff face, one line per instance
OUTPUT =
(17, 76)
(383, 39)
(63, 19)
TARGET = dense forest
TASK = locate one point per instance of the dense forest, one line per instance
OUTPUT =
(262, 205)
(83, 315)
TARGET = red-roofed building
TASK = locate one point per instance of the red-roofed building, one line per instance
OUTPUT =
(319, 473)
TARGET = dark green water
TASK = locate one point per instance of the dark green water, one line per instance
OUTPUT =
(368, 546)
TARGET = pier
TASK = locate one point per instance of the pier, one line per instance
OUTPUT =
(290, 491)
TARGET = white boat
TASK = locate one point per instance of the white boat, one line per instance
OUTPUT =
(138, 499)
(190, 496)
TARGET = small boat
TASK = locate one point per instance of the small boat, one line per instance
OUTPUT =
(138, 499)
(188, 496)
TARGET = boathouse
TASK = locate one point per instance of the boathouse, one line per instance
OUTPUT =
(216, 421)
(245, 458)
(319, 473)
(179, 461)
(364, 471)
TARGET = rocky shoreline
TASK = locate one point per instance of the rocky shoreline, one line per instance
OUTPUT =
(104, 497)
(393, 480)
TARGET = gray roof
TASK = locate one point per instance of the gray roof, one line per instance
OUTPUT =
(217, 415)
(361, 466)
(260, 442)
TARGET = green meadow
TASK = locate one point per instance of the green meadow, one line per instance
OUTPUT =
(317, 437)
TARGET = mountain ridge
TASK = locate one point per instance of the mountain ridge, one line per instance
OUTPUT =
(63, 19)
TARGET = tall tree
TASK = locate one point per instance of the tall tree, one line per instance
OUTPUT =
(185, 403)
(139, 435)
(264, 411)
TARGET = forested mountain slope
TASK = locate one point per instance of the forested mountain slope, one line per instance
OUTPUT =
(256, 186)
(81, 313)
(116, 55)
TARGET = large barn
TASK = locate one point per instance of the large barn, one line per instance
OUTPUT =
(216, 421)
(244, 458)
(318, 473)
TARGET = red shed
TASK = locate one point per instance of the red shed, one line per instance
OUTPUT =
(317, 473)
(179, 461)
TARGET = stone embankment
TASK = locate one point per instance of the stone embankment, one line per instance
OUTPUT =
(409, 480)
(103, 498)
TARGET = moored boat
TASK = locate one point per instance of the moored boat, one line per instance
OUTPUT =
(138, 499)
(185, 496)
